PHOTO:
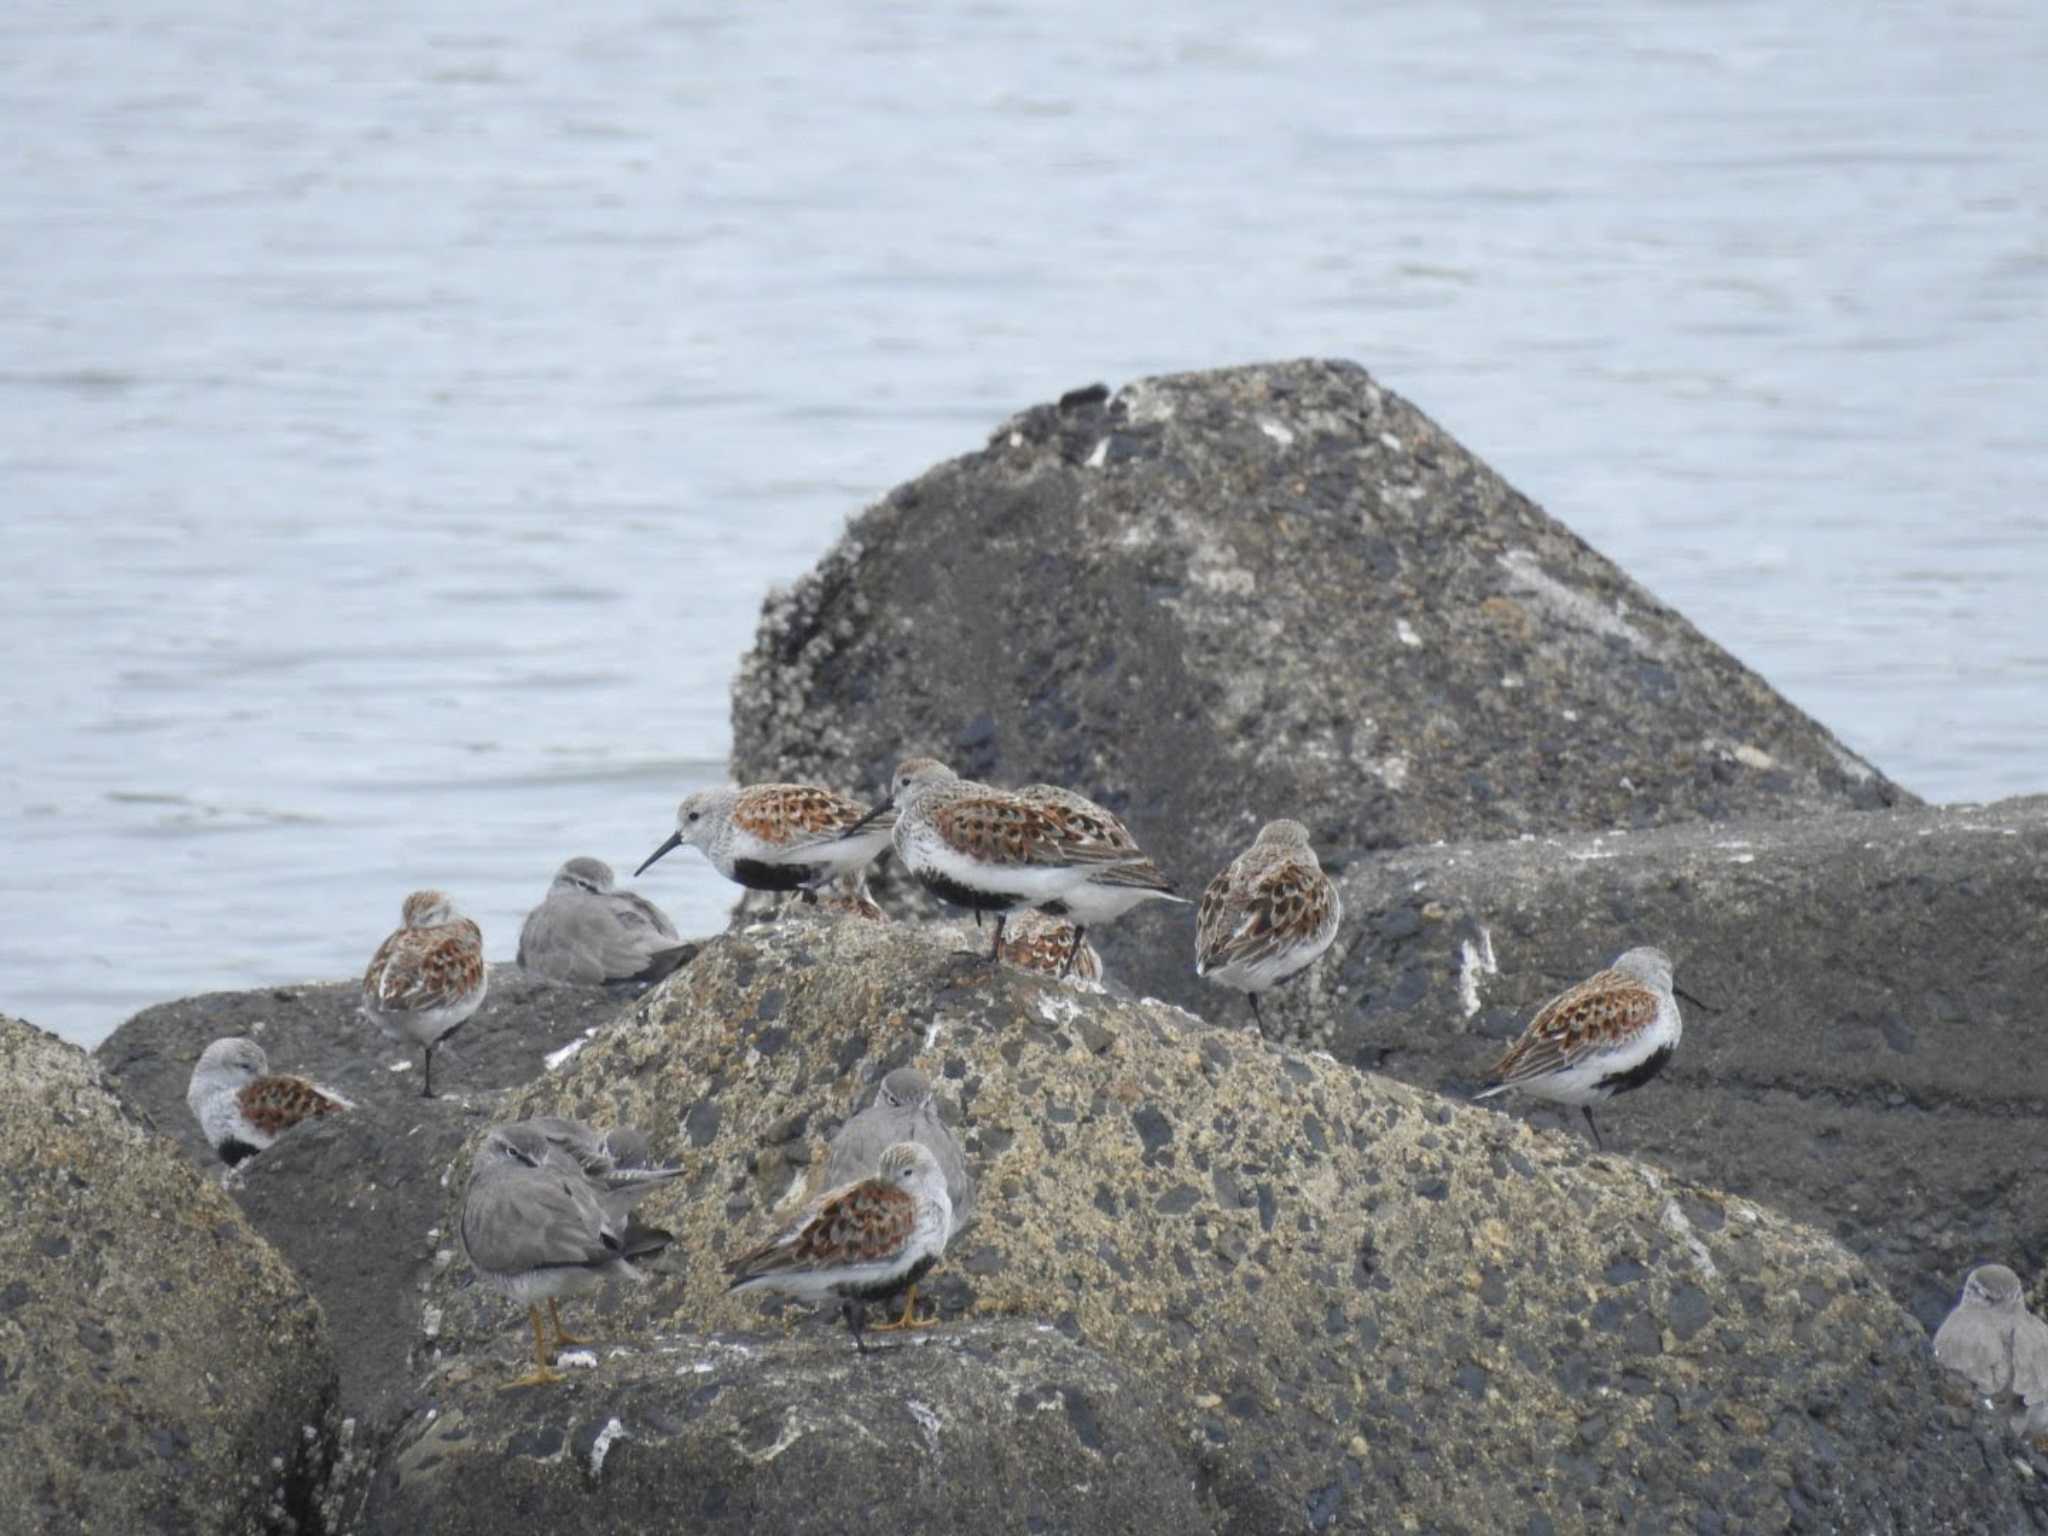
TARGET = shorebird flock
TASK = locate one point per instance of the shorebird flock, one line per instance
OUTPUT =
(548, 1212)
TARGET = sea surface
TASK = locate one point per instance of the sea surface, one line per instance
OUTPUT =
(404, 408)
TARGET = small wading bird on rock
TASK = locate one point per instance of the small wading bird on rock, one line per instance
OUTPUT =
(1611, 1033)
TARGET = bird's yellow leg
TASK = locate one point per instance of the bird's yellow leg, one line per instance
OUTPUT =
(542, 1373)
(563, 1337)
(909, 1319)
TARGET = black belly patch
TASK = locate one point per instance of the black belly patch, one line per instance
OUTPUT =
(757, 876)
(966, 896)
(1637, 1075)
(882, 1290)
(233, 1152)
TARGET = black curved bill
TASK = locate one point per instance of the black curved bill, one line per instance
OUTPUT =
(881, 810)
(1677, 992)
(675, 841)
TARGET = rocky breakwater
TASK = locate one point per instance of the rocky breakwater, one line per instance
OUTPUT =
(161, 1369)
(1214, 598)
(351, 1201)
(1873, 1067)
(1263, 1289)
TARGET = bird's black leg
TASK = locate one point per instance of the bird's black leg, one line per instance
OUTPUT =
(1253, 998)
(856, 1321)
(995, 950)
(1080, 933)
(427, 1073)
(977, 917)
(1593, 1126)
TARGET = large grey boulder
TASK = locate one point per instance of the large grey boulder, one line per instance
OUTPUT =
(1215, 598)
(1350, 1303)
(1000, 1426)
(1875, 1069)
(351, 1200)
(161, 1369)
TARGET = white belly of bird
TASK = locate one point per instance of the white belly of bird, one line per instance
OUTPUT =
(842, 855)
(221, 1118)
(924, 852)
(1090, 903)
(1579, 1084)
(1270, 970)
(423, 1026)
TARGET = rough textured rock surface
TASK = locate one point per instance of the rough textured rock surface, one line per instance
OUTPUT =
(161, 1369)
(1356, 1305)
(1216, 598)
(351, 1200)
(1004, 1426)
(1875, 1068)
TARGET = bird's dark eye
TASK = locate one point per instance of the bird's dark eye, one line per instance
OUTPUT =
(695, 814)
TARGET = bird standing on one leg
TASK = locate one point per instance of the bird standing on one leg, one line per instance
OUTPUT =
(1268, 916)
(427, 978)
(1112, 890)
(1610, 1034)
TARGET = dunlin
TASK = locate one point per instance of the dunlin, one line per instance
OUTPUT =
(778, 837)
(1112, 890)
(427, 978)
(1050, 946)
(903, 1110)
(1268, 916)
(858, 1243)
(989, 850)
(242, 1106)
(1611, 1033)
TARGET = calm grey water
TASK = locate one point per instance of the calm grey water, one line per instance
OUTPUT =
(402, 415)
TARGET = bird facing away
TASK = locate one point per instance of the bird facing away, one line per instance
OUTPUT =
(1108, 892)
(778, 837)
(1993, 1339)
(1050, 946)
(985, 849)
(1268, 916)
(242, 1106)
(1612, 1032)
(427, 978)
(862, 1242)
(589, 933)
(535, 1227)
(903, 1110)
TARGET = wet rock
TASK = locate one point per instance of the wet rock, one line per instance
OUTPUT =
(1308, 1300)
(161, 1369)
(1215, 598)
(991, 1426)
(1825, 943)
(353, 1201)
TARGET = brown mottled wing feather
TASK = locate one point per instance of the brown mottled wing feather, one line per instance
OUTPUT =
(792, 815)
(424, 967)
(275, 1104)
(1598, 1012)
(1276, 909)
(864, 1223)
(1021, 832)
